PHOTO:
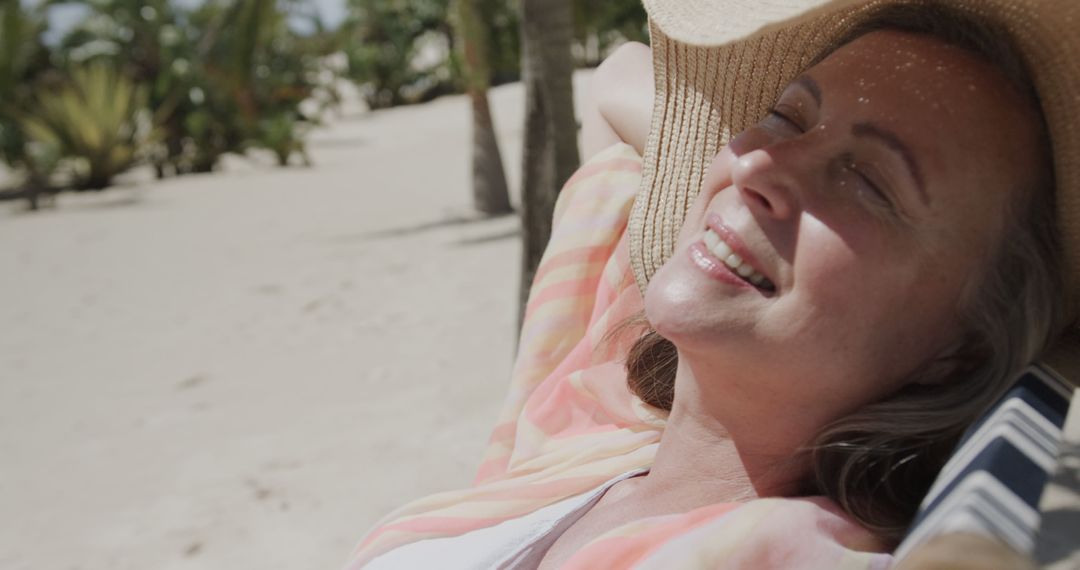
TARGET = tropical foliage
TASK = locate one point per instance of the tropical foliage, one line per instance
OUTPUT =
(23, 59)
(92, 120)
(151, 80)
(400, 50)
(388, 46)
(600, 26)
(193, 81)
(216, 74)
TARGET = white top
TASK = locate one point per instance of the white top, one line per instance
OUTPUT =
(513, 544)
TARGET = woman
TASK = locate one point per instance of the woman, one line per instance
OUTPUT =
(861, 271)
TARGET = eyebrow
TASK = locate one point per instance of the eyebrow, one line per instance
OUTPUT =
(894, 143)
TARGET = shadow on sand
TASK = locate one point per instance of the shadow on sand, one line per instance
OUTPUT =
(452, 221)
(114, 197)
(341, 142)
(512, 233)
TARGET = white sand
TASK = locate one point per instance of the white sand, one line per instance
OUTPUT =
(247, 369)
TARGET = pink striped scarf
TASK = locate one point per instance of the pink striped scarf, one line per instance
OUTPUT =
(569, 422)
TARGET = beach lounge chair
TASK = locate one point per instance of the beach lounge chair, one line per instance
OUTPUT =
(987, 495)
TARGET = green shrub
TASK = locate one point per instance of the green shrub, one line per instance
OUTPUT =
(386, 40)
(91, 121)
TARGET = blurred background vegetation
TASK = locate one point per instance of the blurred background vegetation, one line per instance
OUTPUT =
(177, 84)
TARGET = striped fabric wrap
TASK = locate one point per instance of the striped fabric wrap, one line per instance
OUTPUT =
(992, 483)
(569, 422)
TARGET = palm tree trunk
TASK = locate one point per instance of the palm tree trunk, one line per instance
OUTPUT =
(490, 195)
(550, 145)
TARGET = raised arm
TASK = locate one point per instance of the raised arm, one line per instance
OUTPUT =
(619, 104)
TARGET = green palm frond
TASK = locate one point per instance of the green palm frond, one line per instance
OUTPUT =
(92, 119)
(22, 57)
(19, 31)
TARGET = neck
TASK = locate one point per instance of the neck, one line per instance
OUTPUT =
(709, 456)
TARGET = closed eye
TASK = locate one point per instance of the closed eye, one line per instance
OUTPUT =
(778, 114)
(870, 183)
(877, 193)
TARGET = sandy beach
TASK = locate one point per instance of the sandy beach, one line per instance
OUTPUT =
(247, 369)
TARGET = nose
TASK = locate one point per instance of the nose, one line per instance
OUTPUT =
(768, 181)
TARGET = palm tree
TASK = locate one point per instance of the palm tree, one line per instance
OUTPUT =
(259, 63)
(550, 146)
(238, 32)
(490, 195)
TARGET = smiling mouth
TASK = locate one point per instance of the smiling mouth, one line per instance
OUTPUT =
(724, 252)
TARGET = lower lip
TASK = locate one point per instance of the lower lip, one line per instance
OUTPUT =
(713, 267)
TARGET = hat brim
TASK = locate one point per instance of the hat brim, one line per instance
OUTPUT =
(720, 65)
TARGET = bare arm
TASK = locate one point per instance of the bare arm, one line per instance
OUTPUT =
(620, 100)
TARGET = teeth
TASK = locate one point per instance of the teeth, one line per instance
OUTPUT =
(711, 240)
(723, 252)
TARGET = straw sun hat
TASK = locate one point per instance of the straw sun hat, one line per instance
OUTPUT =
(720, 65)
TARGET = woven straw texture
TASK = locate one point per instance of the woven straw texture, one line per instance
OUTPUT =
(719, 65)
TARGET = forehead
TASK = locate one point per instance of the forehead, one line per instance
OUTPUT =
(916, 67)
(959, 114)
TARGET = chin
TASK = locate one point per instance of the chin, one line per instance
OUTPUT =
(674, 306)
(693, 311)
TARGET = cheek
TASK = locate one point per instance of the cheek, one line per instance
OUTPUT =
(876, 311)
(691, 310)
(854, 291)
(849, 260)
(829, 263)
(717, 175)
(717, 178)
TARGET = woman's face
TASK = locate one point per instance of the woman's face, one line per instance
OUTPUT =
(862, 208)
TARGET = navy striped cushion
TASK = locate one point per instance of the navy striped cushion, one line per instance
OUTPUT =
(992, 483)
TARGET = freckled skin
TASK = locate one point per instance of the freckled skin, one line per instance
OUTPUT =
(862, 298)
